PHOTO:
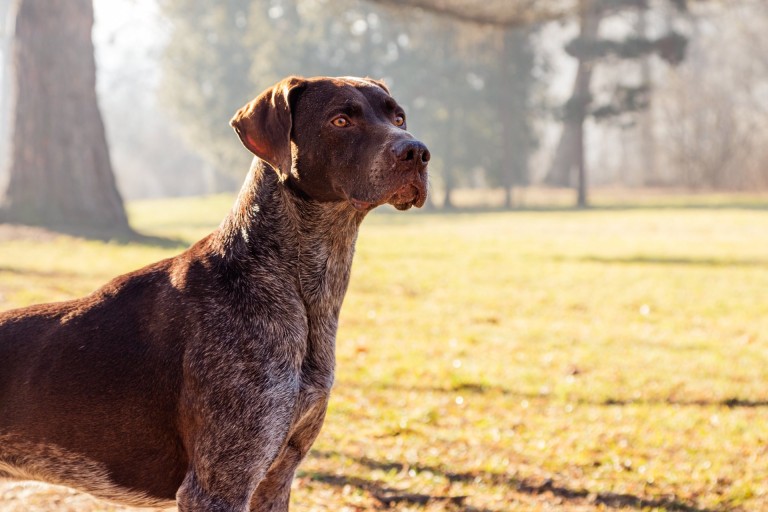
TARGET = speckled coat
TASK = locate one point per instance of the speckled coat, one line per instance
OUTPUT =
(202, 380)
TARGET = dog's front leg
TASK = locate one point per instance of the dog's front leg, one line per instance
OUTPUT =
(238, 439)
(274, 492)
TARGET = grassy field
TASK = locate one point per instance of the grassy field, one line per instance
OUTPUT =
(610, 359)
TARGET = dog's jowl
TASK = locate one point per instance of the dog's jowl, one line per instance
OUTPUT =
(202, 380)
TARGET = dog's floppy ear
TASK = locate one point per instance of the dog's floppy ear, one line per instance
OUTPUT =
(264, 125)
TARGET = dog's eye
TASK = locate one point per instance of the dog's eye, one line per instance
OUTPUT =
(340, 122)
(399, 120)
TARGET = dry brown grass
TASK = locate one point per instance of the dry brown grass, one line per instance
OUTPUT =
(580, 361)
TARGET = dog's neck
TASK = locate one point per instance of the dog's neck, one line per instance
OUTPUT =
(290, 244)
(316, 239)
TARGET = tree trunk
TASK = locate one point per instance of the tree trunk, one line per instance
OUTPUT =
(589, 19)
(448, 183)
(508, 171)
(449, 178)
(60, 173)
(581, 170)
(650, 174)
(570, 149)
(517, 62)
(5, 85)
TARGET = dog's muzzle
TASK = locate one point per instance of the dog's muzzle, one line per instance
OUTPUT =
(411, 157)
(410, 194)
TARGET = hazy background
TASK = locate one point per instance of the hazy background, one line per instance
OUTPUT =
(524, 354)
(491, 101)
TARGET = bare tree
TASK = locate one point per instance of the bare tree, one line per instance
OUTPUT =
(706, 140)
(60, 172)
(713, 121)
(570, 150)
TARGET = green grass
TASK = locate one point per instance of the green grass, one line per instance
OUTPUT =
(611, 359)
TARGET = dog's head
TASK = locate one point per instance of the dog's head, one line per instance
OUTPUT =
(337, 139)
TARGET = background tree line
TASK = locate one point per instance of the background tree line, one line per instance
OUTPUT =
(456, 81)
(507, 94)
(479, 88)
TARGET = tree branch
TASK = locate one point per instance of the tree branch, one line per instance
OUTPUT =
(504, 13)
(511, 13)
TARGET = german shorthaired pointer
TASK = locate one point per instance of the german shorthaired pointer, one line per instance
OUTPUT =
(202, 380)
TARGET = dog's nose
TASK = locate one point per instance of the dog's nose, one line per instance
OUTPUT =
(411, 151)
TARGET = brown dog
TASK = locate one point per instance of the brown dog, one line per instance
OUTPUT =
(204, 379)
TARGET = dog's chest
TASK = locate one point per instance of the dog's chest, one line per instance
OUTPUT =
(324, 280)
(322, 324)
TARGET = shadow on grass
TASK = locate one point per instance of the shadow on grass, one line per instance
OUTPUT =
(520, 485)
(387, 496)
(39, 273)
(661, 260)
(731, 403)
(152, 241)
(122, 236)
(127, 237)
(481, 388)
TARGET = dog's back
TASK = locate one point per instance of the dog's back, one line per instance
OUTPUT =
(86, 392)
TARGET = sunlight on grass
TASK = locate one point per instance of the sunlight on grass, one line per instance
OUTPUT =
(606, 359)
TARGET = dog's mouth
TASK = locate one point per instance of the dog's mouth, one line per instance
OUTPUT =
(407, 196)
(413, 193)
(362, 206)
